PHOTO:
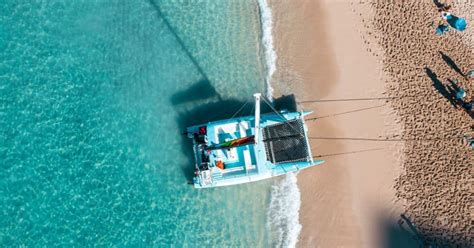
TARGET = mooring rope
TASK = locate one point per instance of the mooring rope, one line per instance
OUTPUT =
(344, 153)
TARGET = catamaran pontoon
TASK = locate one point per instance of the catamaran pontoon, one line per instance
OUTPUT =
(251, 148)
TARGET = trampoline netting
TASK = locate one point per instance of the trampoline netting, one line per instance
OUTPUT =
(286, 142)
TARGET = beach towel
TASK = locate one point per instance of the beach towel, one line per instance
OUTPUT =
(441, 29)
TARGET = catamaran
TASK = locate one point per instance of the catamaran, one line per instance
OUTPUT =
(250, 148)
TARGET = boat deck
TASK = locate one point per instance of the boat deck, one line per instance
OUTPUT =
(280, 147)
(236, 158)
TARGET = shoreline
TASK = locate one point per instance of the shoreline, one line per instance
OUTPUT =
(285, 197)
(321, 52)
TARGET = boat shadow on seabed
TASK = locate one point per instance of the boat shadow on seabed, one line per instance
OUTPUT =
(206, 103)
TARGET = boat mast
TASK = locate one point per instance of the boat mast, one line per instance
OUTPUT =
(257, 115)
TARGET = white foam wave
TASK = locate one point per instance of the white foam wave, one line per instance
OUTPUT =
(267, 41)
(283, 214)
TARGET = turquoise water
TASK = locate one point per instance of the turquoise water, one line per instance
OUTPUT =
(93, 98)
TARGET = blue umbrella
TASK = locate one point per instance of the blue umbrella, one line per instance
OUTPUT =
(456, 22)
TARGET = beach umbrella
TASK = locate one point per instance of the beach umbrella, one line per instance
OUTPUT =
(455, 22)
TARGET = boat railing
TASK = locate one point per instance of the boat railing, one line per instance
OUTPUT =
(249, 173)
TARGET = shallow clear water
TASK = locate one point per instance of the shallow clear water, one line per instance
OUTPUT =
(94, 96)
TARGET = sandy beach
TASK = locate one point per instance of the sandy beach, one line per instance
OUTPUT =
(387, 155)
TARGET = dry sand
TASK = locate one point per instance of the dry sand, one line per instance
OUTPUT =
(346, 50)
(436, 183)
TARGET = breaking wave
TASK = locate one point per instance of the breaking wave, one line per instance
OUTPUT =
(267, 42)
(283, 214)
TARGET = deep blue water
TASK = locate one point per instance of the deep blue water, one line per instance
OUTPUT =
(94, 96)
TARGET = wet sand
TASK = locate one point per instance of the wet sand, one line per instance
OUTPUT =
(380, 162)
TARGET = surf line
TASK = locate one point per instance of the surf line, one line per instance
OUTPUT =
(270, 56)
(283, 213)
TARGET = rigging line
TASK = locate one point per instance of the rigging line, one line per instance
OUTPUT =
(378, 139)
(253, 109)
(347, 112)
(406, 139)
(278, 113)
(343, 153)
(240, 109)
(244, 108)
(271, 106)
(441, 133)
(349, 99)
(245, 111)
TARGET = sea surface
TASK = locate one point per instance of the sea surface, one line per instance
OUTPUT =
(94, 97)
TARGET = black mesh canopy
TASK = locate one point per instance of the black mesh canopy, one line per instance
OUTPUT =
(285, 142)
